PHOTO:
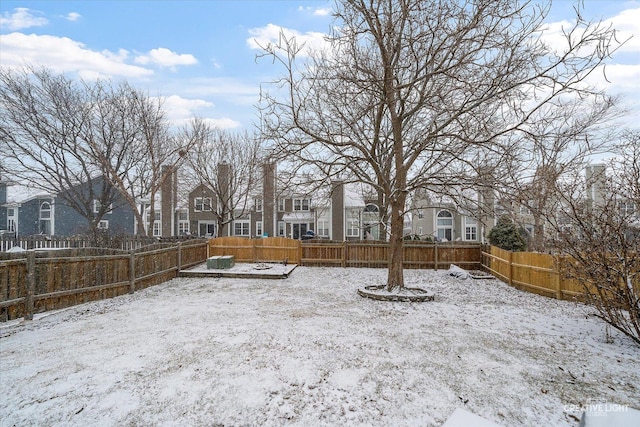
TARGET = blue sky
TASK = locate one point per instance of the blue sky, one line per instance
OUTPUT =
(201, 55)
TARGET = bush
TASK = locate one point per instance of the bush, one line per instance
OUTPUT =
(506, 235)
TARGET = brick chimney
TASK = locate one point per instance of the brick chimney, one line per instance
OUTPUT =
(337, 211)
(169, 201)
(224, 175)
(269, 197)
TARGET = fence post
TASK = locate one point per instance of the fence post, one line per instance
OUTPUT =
(254, 249)
(510, 260)
(179, 257)
(435, 256)
(558, 279)
(132, 271)
(344, 253)
(31, 285)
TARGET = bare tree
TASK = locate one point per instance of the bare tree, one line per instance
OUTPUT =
(599, 233)
(556, 146)
(43, 118)
(136, 146)
(63, 135)
(412, 94)
(228, 164)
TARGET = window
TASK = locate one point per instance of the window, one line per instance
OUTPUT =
(45, 210)
(353, 228)
(258, 204)
(11, 219)
(241, 228)
(627, 208)
(183, 227)
(420, 215)
(300, 204)
(156, 228)
(281, 228)
(103, 225)
(323, 228)
(97, 205)
(258, 228)
(45, 218)
(419, 231)
(444, 225)
(202, 204)
(183, 216)
(524, 210)
(470, 229)
(281, 205)
(156, 216)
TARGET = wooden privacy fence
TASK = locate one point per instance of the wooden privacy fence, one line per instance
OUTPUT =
(269, 249)
(531, 271)
(345, 254)
(37, 281)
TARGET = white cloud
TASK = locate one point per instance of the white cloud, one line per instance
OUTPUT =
(178, 107)
(322, 11)
(272, 35)
(166, 58)
(627, 24)
(62, 54)
(73, 16)
(21, 18)
(223, 123)
(181, 110)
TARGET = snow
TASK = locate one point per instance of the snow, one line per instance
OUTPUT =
(462, 418)
(308, 350)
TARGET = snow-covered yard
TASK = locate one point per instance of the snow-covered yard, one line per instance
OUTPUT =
(309, 351)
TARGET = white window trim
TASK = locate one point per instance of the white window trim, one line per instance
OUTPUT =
(301, 202)
(324, 230)
(353, 231)
(49, 210)
(156, 228)
(202, 204)
(470, 223)
(442, 227)
(96, 207)
(243, 222)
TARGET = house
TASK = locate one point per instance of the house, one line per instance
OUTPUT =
(339, 211)
(287, 206)
(29, 211)
(442, 220)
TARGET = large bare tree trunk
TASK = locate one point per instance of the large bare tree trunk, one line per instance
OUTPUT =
(395, 276)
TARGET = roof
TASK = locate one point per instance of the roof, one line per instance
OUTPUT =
(298, 216)
(353, 196)
(21, 193)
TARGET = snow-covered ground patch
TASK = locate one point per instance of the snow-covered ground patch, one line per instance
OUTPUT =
(310, 351)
